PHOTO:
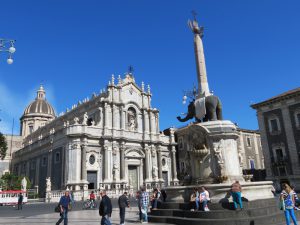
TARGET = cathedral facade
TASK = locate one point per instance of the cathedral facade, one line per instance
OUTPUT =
(111, 141)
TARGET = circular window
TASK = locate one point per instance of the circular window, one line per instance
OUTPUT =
(163, 161)
(92, 159)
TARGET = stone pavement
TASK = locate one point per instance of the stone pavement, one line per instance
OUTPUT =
(36, 215)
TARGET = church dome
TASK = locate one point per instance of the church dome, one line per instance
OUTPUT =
(40, 105)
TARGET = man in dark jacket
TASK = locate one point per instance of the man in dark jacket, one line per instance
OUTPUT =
(20, 201)
(105, 208)
(123, 203)
(64, 208)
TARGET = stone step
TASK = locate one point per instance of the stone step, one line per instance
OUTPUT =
(260, 220)
(222, 205)
(217, 214)
(268, 219)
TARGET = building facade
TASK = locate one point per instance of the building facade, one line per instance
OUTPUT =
(110, 141)
(279, 124)
(14, 143)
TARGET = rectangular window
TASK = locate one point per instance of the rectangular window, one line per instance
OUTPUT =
(298, 119)
(57, 157)
(274, 125)
(248, 141)
(252, 164)
(44, 161)
(279, 153)
(30, 129)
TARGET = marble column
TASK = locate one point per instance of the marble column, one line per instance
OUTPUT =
(159, 163)
(37, 171)
(147, 166)
(203, 88)
(83, 163)
(141, 173)
(49, 165)
(146, 122)
(106, 114)
(121, 118)
(122, 163)
(174, 169)
(106, 164)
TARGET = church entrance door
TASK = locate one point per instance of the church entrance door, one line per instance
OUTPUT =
(133, 177)
(165, 177)
(92, 179)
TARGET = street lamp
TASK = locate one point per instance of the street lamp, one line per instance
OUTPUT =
(190, 94)
(8, 46)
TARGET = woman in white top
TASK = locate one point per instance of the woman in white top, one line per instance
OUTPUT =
(204, 198)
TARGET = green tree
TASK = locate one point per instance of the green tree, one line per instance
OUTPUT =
(3, 146)
(13, 182)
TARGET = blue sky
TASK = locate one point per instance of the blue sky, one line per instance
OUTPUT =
(252, 51)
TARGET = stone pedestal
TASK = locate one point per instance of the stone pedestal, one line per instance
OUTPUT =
(212, 154)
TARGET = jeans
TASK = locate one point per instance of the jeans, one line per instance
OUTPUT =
(140, 213)
(204, 204)
(197, 201)
(63, 217)
(237, 199)
(20, 205)
(145, 216)
(105, 220)
(122, 215)
(154, 203)
(290, 213)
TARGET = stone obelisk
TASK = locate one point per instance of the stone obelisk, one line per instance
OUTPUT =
(203, 89)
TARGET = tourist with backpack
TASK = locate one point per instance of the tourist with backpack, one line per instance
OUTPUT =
(287, 199)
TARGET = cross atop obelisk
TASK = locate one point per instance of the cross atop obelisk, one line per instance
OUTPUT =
(203, 89)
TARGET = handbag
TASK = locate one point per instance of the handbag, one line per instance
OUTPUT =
(281, 205)
(57, 208)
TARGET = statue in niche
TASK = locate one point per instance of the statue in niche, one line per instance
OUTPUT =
(85, 119)
(153, 152)
(24, 184)
(76, 120)
(48, 184)
(154, 172)
(131, 119)
(115, 170)
(218, 152)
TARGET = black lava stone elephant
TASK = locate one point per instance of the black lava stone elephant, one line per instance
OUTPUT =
(213, 108)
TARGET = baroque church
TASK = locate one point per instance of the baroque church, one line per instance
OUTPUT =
(110, 141)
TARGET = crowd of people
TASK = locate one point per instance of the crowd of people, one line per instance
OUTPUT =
(199, 200)
(144, 200)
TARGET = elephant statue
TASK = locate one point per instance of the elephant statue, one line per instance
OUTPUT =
(213, 108)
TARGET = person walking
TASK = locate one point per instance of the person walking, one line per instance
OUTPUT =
(204, 198)
(287, 197)
(64, 203)
(236, 193)
(144, 204)
(92, 200)
(105, 208)
(123, 203)
(20, 201)
(138, 199)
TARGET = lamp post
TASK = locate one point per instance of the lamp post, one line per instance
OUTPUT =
(191, 94)
(8, 46)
